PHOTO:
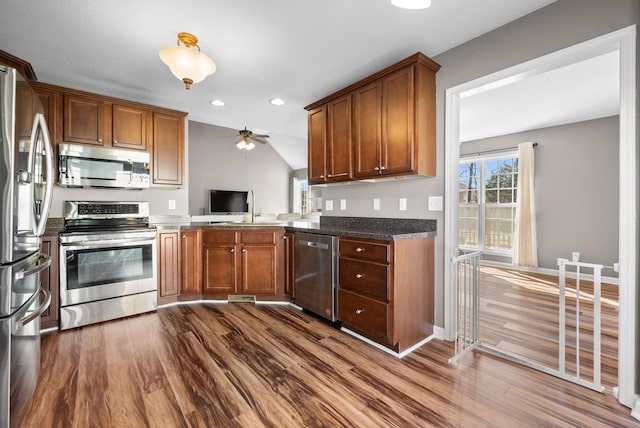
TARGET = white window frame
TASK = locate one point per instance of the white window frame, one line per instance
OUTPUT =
(482, 202)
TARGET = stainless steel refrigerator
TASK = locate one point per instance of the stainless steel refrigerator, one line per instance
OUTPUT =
(26, 186)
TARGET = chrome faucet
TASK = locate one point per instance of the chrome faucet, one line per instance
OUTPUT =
(253, 206)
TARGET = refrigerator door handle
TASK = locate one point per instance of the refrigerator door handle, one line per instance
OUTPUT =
(45, 262)
(35, 314)
(40, 124)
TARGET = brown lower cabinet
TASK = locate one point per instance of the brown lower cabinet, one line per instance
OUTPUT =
(243, 262)
(289, 277)
(168, 265)
(385, 290)
(191, 262)
(49, 281)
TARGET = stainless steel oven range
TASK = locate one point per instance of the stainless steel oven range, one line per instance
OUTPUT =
(107, 262)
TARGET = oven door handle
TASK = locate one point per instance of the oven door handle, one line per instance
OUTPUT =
(35, 314)
(45, 262)
(108, 243)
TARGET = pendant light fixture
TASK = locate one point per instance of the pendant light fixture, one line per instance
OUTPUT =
(411, 4)
(187, 64)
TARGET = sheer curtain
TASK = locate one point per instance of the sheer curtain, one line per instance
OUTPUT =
(525, 248)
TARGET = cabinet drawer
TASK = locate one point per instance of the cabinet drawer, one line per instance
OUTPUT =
(366, 278)
(364, 315)
(254, 237)
(219, 236)
(365, 250)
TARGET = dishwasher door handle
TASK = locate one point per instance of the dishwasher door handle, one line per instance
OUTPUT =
(313, 244)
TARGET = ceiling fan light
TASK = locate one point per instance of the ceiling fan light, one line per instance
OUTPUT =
(188, 65)
(250, 146)
(242, 144)
(411, 4)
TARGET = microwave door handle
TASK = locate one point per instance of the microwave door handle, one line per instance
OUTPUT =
(39, 123)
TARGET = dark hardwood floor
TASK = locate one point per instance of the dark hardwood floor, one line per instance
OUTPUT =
(225, 365)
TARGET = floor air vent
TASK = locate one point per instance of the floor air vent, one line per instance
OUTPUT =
(241, 298)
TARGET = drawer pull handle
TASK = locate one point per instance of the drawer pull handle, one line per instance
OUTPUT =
(359, 250)
(359, 275)
(233, 250)
(359, 311)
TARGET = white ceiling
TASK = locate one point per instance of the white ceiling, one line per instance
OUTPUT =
(584, 90)
(298, 50)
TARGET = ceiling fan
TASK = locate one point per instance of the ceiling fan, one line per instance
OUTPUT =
(248, 139)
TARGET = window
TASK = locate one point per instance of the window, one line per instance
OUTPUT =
(487, 203)
(300, 196)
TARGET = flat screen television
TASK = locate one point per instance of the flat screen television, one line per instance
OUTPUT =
(228, 202)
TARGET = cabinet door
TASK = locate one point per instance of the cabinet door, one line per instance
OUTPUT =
(219, 269)
(48, 102)
(367, 107)
(259, 261)
(24, 110)
(191, 262)
(83, 120)
(289, 273)
(339, 164)
(168, 263)
(317, 155)
(258, 269)
(49, 281)
(168, 149)
(129, 127)
(398, 122)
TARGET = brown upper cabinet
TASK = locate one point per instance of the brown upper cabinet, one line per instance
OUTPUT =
(168, 149)
(83, 118)
(330, 141)
(94, 121)
(383, 125)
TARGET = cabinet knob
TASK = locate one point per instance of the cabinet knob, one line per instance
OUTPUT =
(382, 168)
(359, 311)
(329, 175)
(233, 250)
(284, 237)
(321, 175)
(115, 141)
(99, 140)
(244, 250)
(359, 250)
(184, 236)
(359, 275)
(377, 168)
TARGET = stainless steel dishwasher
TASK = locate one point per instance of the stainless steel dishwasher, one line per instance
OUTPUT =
(315, 273)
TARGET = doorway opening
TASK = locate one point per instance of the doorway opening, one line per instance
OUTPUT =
(623, 42)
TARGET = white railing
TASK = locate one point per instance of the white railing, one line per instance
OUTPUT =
(467, 292)
(576, 377)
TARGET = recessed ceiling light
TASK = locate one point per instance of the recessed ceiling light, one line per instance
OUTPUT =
(217, 103)
(411, 4)
(276, 101)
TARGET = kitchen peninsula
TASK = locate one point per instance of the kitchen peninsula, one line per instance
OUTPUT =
(384, 279)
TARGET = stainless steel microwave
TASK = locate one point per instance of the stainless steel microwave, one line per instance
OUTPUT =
(86, 166)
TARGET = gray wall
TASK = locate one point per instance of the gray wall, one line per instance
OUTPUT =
(557, 26)
(216, 163)
(576, 188)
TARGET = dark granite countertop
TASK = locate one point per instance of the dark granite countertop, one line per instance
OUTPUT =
(385, 229)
